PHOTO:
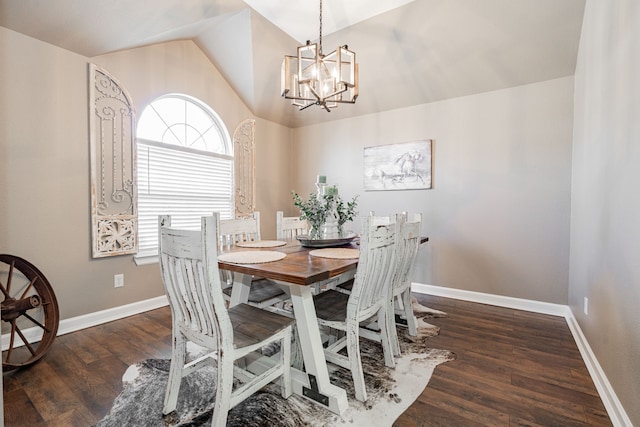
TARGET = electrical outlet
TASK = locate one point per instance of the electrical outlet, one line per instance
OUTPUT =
(586, 305)
(118, 280)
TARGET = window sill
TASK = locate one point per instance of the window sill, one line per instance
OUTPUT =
(145, 260)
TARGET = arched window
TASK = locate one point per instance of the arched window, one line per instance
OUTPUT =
(185, 166)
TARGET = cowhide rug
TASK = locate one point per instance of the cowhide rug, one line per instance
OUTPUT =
(390, 391)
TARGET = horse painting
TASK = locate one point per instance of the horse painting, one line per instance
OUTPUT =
(398, 166)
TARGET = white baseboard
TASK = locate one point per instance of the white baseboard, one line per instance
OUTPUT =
(615, 410)
(92, 319)
(498, 300)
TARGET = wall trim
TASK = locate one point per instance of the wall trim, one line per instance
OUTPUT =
(498, 300)
(84, 321)
(615, 410)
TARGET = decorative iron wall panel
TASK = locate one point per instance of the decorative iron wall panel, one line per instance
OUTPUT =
(244, 168)
(113, 166)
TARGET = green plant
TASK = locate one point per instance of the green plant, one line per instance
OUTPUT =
(317, 209)
(346, 212)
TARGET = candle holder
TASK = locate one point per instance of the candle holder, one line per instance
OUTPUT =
(321, 187)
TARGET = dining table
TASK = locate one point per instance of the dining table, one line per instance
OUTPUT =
(299, 273)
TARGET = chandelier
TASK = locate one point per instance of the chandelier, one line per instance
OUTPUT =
(313, 78)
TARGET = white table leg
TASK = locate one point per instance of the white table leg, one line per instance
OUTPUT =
(240, 289)
(314, 382)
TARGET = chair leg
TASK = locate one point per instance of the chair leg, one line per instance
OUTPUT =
(393, 336)
(393, 332)
(178, 355)
(387, 335)
(408, 312)
(286, 364)
(224, 389)
(355, 362)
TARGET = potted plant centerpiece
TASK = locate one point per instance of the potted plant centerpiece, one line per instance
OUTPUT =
(326, 212)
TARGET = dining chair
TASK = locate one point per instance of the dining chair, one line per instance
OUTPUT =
(189, 269)
(288, 227)
(406, 254)
(368, 301)
(347, 285)
(263, 292)
(239, 230)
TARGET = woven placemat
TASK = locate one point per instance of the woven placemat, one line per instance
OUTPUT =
(338, 253)
(251, 257)
(262, 244)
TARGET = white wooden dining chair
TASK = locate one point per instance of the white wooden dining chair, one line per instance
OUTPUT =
(239, 230)
(263, 292)
(406, 254)
(189, 268)
(369, 300)
(288, 227)
(347, 285)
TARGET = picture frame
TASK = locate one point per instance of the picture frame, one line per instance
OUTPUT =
(401, 166)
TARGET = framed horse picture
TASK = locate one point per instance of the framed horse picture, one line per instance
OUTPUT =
(404, 166)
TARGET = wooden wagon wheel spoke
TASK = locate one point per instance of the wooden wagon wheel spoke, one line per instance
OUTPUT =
(25, 341)
(30, 308)
(14, 329)
(36, 322)
(5, 291)
(24, 294)
(11, 340)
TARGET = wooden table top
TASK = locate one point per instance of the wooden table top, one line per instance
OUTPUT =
(297, 267)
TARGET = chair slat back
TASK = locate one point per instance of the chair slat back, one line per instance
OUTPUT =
(379, 220)
(234, 231)
(189, 269)
(288, 227)
(375, 271)
(407, 250)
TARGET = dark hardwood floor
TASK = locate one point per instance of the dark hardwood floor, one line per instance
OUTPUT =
(513, 368)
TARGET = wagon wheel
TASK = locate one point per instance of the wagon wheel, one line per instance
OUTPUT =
(29, 312)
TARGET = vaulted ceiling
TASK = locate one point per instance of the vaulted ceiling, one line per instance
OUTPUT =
(409, 51)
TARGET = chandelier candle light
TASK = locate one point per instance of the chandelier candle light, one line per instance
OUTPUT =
(312, 78)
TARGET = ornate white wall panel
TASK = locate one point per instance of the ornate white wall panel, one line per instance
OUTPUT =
(244, 168)
(113, 166)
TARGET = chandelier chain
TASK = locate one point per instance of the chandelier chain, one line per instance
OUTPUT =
(320, 41)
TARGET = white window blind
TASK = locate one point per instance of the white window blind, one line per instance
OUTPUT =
(186, 185)
(175, 178)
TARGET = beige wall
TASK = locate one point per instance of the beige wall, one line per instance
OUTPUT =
(44, 159)
(273, 170)
(498, 215)
(605, 220)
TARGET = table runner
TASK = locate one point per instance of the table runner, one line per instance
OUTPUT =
(251, 257)
(337, 253)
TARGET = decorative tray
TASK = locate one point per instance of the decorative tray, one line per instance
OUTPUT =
(325, 243)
